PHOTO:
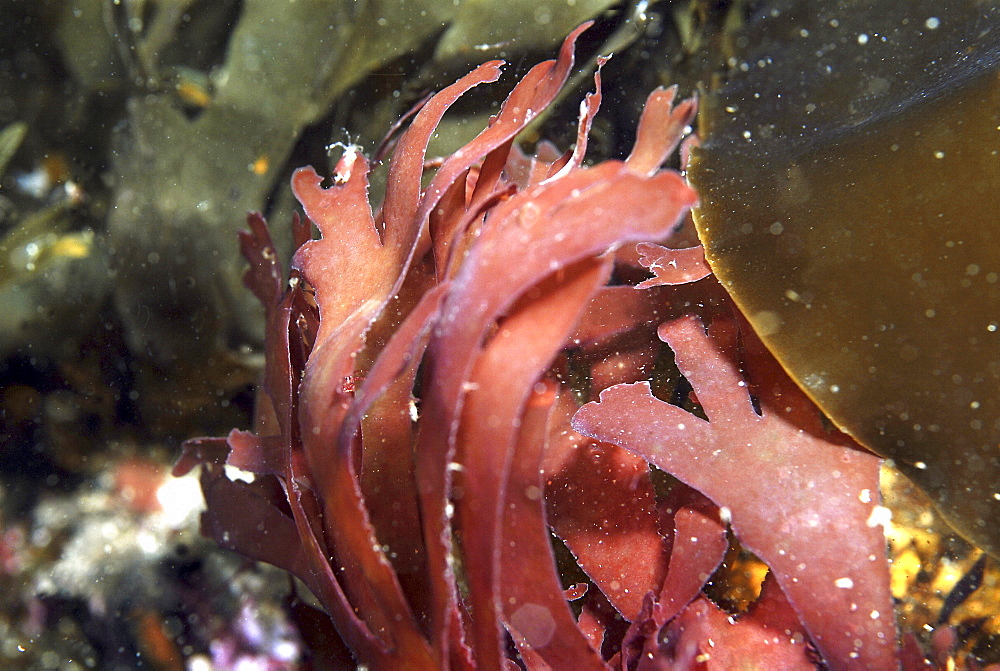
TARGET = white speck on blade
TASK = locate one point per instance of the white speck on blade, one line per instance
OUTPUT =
(880, 515)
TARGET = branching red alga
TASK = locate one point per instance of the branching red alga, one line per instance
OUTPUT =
(420, 439)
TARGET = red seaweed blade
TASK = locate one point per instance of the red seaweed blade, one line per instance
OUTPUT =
(802, 489)
(474, 293)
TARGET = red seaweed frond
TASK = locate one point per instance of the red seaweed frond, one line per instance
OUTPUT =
(415, 448)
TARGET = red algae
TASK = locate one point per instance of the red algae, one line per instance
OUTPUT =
(420, 439)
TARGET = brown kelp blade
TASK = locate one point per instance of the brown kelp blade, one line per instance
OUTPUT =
(850, 191)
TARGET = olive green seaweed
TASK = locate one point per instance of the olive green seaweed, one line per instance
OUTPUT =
(10, 140)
